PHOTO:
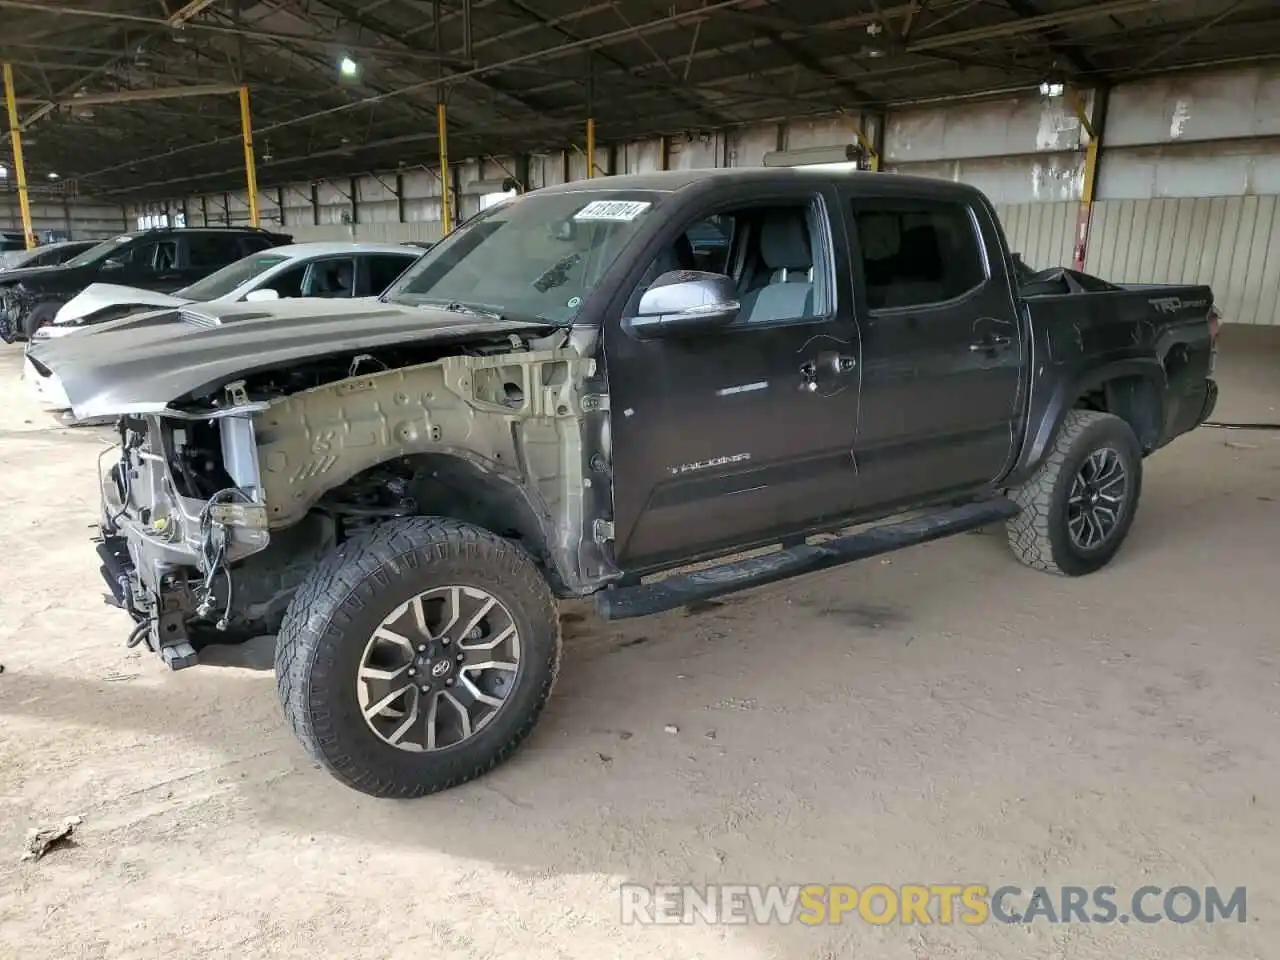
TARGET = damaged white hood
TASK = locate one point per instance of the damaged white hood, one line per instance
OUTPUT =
(97, 296)
(141, 363)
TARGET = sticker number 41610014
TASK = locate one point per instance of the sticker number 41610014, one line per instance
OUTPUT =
(612, 210)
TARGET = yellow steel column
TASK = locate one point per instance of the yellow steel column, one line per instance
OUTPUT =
(868, 148)
(250, 168)
(19, 169)
(442, 131)
(1093, 127)
(591, 147)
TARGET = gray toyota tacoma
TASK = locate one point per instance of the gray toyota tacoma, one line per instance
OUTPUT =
(578, 393)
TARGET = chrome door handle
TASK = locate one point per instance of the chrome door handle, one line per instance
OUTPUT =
(837, 363)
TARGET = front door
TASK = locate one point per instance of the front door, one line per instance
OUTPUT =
(151, 265)
(745, 434)
(942, 349)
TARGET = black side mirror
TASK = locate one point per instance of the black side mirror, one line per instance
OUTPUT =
(682, 303)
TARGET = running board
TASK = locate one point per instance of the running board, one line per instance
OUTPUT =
(643, 599)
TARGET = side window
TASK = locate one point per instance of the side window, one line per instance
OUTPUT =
(208, 251)
(140, 256)
(917, 253)
(777, 254)
(383, 269)
(160, 256)
(287, 283)
(331, 278)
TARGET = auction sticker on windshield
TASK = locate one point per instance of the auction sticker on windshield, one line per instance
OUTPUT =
(612, 210)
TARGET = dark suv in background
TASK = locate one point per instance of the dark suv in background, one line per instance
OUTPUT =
(163, 259)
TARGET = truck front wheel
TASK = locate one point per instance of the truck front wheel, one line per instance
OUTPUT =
(1079, 505)
(418, 656)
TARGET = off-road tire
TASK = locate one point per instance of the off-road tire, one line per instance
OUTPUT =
(337, 608)
(1038, 535)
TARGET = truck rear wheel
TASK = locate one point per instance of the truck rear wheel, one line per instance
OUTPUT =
(1078, 507)
(418, 656)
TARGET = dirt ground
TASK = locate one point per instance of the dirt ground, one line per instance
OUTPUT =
(943, 715)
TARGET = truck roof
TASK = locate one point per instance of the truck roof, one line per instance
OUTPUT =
(671, 181)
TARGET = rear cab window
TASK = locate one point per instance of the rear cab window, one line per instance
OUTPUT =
(916, 253)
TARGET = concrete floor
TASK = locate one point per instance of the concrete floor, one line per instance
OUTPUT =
(941, 716)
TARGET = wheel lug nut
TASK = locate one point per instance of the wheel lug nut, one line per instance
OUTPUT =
(413, 672)
(461, 657)
(449, 682)
(424, 688)
(445, 641)
(422, 648)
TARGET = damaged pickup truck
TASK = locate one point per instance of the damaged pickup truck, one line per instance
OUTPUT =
(566, 398)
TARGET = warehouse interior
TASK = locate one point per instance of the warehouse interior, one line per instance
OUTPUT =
(936, 718)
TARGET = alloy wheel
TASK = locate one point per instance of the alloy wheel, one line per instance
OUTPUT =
(438, 668)
(1098, 499)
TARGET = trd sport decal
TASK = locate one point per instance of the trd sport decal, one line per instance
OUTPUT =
(1175, 304)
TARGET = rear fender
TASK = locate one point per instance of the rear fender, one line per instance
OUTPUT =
(1114, 380)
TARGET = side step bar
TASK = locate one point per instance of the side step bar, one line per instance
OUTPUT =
(643, 599)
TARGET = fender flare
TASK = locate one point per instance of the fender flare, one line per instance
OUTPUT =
(1045, 422)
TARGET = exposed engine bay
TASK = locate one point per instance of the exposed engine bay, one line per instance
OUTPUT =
(219, 507)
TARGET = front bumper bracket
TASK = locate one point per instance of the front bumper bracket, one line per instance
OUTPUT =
(161, 617)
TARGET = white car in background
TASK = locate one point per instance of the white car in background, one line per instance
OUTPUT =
(346, 270)
(323, 269)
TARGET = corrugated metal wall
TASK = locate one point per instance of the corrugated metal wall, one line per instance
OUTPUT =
(1232, 244)
(1189, 182)
(1042, 232)
(84, 219)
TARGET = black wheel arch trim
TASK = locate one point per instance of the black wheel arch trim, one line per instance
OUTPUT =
(1049, 408)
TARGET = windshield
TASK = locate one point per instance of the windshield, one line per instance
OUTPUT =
(534, 256)
(99, 251)
(224, 281)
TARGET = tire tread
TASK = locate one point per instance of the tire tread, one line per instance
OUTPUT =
(315, 617)
(1029, 531)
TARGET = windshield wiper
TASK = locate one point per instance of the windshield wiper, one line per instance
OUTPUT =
(460, 306)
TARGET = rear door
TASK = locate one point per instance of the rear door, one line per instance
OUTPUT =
(942, 347)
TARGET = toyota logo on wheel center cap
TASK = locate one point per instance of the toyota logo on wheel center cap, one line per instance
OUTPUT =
(441, 667)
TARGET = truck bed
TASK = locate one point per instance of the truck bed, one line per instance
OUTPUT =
(1157, 338)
